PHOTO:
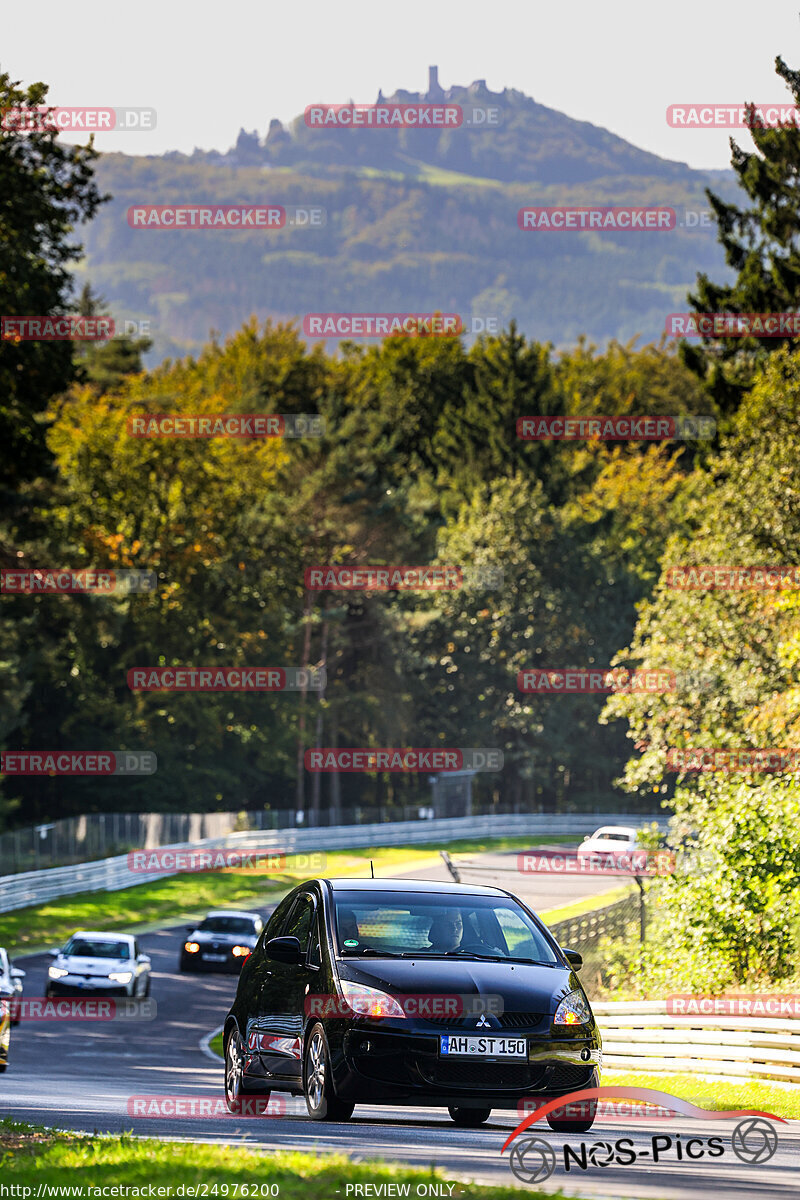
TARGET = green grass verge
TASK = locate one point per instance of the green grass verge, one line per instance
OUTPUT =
(188, 896)
(216, 1044)
(715, 1094)
(31, 1155)
(564, 912)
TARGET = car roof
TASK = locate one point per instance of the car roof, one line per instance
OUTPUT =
(231, 912)
(627, 829)
(108, 937)
(433, 886)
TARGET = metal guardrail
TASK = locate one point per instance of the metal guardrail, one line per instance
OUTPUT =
(612, 920)
(641, 1035)
(112, 874)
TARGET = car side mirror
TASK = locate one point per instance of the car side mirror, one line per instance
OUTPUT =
(574, 958)
(143, 958)
(17, 973)
(284, 950)
(54, 953)
(190, 928)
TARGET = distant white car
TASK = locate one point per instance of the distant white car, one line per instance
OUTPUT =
(11, 986)
(105, 964)
(610, 839)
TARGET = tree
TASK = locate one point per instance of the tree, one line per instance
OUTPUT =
(740, 649)
(47, 189)
(105, 364)
(761, 245)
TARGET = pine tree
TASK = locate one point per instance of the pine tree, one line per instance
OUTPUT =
(762, 246)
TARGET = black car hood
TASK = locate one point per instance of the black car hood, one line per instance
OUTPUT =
(521, 987)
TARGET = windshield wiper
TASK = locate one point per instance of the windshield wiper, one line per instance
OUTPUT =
(372, 951)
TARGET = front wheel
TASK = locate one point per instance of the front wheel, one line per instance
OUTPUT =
(470, 1118)
(321, 1101)
(560, 1124)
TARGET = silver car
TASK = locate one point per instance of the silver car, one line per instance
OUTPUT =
(11, 986)
(104, 964)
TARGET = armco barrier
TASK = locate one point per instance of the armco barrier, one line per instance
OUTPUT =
(640, 1035)
(112, 874)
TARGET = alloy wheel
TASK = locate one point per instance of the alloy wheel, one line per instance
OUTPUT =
(315, 1084)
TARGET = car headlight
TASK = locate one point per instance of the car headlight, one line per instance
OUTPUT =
(57, 972)
(370, 1002)
(573, 1010)
(120, 976)
(240, 951)
(191, 947)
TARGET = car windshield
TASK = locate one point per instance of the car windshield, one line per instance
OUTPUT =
(227, 925)
(436, 924)
(94, 948)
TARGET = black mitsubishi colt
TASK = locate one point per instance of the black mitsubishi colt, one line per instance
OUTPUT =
(410, 993)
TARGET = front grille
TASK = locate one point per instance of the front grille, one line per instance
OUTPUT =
(483, 1075)
(564, 1075)
(520, 1020)
(507, 1020)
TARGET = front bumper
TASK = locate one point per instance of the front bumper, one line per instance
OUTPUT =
(71, 985)
(393, 1062)
(197, 962)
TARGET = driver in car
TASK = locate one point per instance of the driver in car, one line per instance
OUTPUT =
(446, 932)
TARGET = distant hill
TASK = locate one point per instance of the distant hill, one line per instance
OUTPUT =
(417, 220)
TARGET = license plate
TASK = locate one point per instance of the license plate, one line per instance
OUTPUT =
(485, 1047)
(214, 957)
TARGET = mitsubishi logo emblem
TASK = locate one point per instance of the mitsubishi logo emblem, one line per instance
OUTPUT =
(482, 1023)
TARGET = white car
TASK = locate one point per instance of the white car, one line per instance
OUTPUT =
(104, 964)
(610, 839)
(11, 986)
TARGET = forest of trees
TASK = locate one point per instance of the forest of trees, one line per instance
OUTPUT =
(419, 463)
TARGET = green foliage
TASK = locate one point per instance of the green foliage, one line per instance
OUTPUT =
(760, 244)
(736, 921)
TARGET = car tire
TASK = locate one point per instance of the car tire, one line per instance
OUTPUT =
(235, 1090)
(48, 995)
(470, 1118)
(3, 1067)
(561, 1125)
(321, 1100)
(146, 991)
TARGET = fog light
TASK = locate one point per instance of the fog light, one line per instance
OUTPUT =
(191, 947)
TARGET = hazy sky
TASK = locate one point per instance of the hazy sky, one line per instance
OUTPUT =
(210, 68)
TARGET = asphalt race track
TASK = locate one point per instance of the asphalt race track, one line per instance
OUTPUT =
(82, 1075)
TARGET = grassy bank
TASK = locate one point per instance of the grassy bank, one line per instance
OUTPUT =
(188, 896)
(34, 1156)
(714, 1094)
